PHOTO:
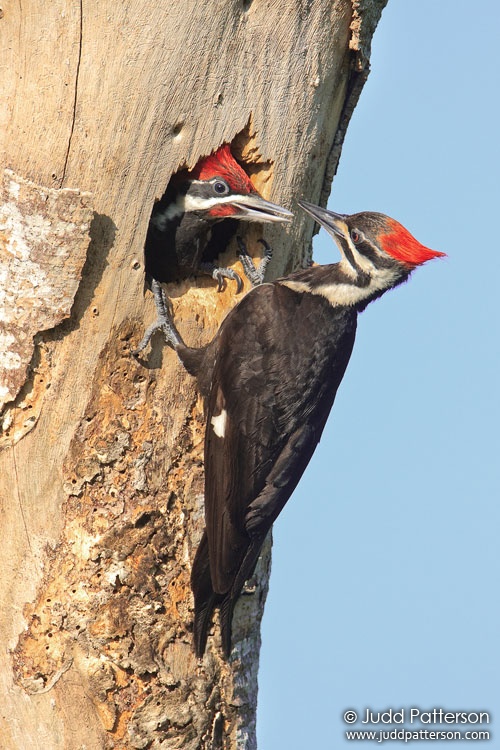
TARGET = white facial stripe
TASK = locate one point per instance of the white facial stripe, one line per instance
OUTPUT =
(195, 203)
(183, 204)
(219, 424)
(361, 261)
(346, 267)
(350, 294)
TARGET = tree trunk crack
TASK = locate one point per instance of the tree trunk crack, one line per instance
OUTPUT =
(75, 96)
(20, 502)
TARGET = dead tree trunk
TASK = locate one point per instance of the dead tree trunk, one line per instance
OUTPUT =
(101, 460)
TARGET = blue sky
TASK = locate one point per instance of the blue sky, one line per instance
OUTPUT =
(386, 562)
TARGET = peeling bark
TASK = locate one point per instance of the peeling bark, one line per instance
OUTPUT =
(101, 456)
(44, 236)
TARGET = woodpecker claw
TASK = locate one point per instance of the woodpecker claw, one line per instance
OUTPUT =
(163, 322)
(253, 274)
(146, 338)
(219, 274)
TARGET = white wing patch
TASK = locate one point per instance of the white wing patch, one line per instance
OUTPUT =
(161, 219)
(219, 424)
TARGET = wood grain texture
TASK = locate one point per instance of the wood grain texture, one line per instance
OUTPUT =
(101, 499)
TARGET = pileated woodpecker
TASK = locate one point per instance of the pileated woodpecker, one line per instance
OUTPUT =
(180, 229)
(270, 377)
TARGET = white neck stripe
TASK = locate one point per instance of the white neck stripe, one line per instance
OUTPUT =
(346, 294)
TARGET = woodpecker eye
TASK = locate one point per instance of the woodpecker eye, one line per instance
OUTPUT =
(354, 236)
(221, 188)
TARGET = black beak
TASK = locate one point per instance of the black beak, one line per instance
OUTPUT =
(254, 208)
(334, 223)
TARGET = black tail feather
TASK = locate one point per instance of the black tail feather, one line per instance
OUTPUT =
(205, 599)
(245, 571)
(226, 621)
(202, 620)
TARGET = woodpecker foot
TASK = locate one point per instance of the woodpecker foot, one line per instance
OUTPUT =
(163, 322)
(219, 274)
(253, 274)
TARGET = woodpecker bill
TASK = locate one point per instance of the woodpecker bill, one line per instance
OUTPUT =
(180, 240)
(269, 378)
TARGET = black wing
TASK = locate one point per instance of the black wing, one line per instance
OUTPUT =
(280, 358)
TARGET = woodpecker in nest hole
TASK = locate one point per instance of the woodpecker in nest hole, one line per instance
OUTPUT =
(269, 378)
(180, 241)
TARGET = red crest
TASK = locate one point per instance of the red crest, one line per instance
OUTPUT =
(403, 246)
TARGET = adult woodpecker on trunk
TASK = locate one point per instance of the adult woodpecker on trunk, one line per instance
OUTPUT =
(270, 377)
(179, 241)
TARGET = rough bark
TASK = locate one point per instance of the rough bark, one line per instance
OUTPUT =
(101, 462)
